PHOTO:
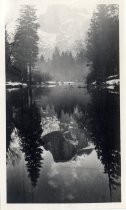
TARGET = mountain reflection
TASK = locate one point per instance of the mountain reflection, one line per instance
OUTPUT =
(66, 126)
(61, 150)
(63, 136)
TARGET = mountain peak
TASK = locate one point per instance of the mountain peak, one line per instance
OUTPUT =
(64, 24)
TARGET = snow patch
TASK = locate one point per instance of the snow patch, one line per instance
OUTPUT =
(113, 82)
(113, 76)
(13, 84)
(93, 83)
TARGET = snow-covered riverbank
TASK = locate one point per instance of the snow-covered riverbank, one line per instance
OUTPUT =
(111, 83)
(10, 85)
(15, 84)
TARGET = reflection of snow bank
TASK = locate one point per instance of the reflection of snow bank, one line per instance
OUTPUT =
(14, 150)
(51, 85)
(15, 139)
(111, 87)
(90, 146)
(12, 89)
(113, 91)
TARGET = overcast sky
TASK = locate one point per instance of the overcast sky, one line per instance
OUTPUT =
(13, 10)
(13, 6)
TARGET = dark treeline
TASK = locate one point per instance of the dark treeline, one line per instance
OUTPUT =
(63, 66)
(99, 52)
(103, 43)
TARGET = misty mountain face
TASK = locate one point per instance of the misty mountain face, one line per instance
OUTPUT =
(61, 26)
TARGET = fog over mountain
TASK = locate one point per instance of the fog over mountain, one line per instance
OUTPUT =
(61, 22)
(62, 26)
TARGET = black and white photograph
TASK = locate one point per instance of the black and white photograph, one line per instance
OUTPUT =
(62, 93)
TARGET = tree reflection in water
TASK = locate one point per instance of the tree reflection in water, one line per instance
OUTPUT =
(104, 124)
(68, 128)
(28, 122)
(97, 122)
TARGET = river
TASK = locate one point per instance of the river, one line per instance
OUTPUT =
(63, 145)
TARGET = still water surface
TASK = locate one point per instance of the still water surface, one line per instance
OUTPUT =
(63, 145)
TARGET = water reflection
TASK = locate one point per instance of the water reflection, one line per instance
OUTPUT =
(57, 129)
(105, 127)
(27, 122)
(30, 131)
(61, 150)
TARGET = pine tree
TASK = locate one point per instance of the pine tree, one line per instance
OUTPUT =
(103, 42)
(26, 40)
